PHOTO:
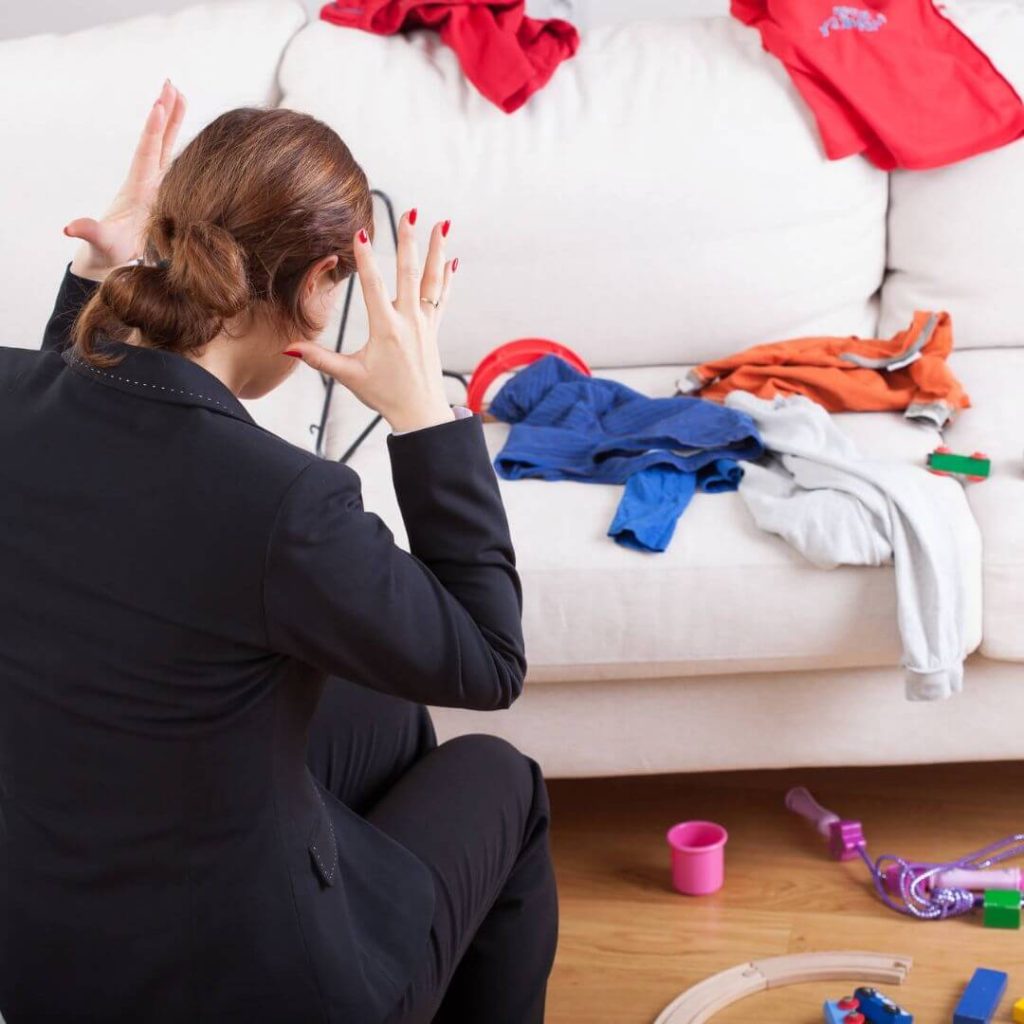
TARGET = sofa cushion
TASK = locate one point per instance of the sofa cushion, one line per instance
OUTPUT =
(75, 105)
(663, 199)
(954, 244)
(955, 232)
(725, 597)
(995, 426)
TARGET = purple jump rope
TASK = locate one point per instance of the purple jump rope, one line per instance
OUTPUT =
(928, 891)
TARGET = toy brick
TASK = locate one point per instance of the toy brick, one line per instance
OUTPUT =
(981, 998)
(968, 465)
(1002, 908)
(880, 1009)
(1003, 898)
(1018, 1012)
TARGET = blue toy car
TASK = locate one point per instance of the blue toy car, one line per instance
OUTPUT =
(880, 1009)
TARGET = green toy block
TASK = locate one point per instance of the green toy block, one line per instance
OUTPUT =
(966, 465)
(1002, 908)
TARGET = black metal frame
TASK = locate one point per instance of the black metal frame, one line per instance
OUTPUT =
(320, 428)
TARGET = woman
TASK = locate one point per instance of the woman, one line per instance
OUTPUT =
(221, 796)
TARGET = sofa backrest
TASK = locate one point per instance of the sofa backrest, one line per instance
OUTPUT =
(956, 234)
(663, 200)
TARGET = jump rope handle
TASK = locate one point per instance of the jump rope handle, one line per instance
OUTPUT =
(800, 801)
(845, 837)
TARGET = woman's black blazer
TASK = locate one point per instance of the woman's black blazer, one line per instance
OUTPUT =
(176, 584)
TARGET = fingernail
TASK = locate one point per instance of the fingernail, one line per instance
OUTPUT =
(363, 236)
(445, 228)
(412, 215)
(65, 230)
(291, 352)
(455, 264)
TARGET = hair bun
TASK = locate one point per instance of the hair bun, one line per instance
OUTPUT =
(208, 267)
(242, 215)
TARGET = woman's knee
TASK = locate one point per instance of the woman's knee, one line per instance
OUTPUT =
(495, 758)
(480, 748)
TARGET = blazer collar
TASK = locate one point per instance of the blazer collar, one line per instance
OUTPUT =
(161, 377)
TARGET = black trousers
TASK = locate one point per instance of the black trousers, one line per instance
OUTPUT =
(475, 811)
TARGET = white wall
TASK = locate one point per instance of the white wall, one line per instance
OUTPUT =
(27, 17)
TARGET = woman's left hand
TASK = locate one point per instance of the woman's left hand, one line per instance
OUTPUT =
(118, 236)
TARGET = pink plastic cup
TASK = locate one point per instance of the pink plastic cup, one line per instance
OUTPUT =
(698, 857)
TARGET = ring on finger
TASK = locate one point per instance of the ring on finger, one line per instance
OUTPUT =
(431, 302)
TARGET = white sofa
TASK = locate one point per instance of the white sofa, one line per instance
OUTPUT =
(663, 201)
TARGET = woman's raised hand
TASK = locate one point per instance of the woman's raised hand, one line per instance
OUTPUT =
(398, 371)
(118, 236)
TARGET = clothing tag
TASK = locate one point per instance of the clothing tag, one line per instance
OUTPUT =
(689, 384)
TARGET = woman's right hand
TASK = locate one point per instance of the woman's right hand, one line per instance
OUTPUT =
(398, 371)
(118, 237)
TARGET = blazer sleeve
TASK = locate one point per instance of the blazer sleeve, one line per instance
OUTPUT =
(441, 624)
(73, 294)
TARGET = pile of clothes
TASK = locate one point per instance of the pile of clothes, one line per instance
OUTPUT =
(801, 477)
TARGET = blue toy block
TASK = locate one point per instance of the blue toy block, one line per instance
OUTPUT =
(981, 998)
(843, 1011)
(880, 1009)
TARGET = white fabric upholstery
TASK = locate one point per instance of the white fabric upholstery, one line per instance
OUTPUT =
(955, 244)
(955, 232)
(997, 28)
(588, 14)
(73, 108)
(724, 598)
(995, 425)
(663, 200)
(755, 720)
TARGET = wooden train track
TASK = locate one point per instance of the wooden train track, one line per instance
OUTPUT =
(698, 1004)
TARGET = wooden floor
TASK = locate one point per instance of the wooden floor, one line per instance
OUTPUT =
(629, 944)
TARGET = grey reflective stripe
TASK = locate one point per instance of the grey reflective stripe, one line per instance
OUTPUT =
(908, 355)
(934, 412)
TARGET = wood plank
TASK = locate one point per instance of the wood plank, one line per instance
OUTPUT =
(629, 944)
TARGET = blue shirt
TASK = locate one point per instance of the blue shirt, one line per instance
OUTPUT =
(568, 426)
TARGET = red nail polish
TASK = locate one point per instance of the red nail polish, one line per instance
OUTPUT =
(455, 264)
(291, 352)
(445, 227)
(363, 236)
(412, 215)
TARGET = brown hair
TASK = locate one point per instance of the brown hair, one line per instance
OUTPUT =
(244, 211)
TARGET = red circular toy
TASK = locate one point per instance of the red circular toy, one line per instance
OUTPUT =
(509, 356)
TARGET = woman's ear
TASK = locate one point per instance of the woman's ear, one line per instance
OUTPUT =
(319, 278)
(318, 289)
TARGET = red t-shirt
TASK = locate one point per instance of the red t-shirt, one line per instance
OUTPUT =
(895, 80)
(505, 54)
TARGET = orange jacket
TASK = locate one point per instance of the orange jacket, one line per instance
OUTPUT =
(907, 371)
